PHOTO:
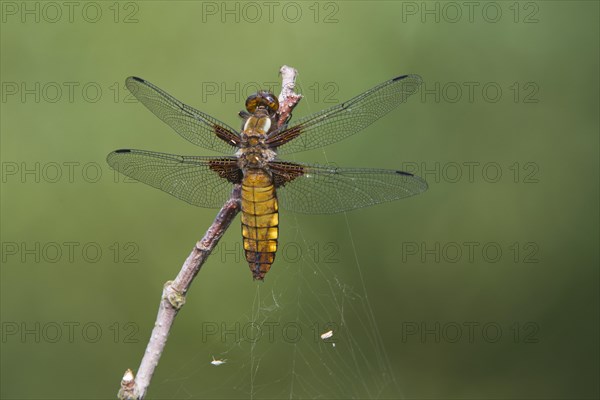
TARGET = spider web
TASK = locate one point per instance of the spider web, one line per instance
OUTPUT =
(307, 298)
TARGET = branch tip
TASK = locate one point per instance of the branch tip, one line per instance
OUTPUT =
(127, 390)
(288, 98)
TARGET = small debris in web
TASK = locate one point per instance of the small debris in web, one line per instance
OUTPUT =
(216, 362)
(327, 335)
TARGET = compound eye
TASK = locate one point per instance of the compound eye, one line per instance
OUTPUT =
(252, 103)
(262, 99)
(271, 102)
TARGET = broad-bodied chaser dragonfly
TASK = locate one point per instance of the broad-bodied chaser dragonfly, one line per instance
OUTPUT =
(267, 182)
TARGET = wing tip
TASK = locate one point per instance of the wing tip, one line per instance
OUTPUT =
(135, 78)
(110, 157)
(412, 76)
(398, 78)
(423, 182)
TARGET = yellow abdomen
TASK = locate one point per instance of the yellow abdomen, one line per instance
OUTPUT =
(260, 221)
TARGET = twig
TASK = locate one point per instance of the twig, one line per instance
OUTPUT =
(288, 99)
(173, 295)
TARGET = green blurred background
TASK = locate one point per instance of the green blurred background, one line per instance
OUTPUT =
(422, 303)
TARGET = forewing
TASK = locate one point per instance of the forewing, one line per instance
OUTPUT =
(314, 189)
(200, 181)
(193, 125)
(345, 119)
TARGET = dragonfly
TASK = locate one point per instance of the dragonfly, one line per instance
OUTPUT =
(251, 159)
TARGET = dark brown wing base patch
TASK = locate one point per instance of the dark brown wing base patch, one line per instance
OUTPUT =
(226, 135)
(227, 169)
(284, 172)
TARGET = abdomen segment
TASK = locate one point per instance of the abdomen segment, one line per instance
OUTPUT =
(260, 221)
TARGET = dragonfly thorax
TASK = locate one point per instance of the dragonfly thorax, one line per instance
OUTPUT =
(257, 125)
(254, 151)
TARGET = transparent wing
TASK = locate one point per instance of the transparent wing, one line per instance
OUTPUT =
(201, 181)
(314, 189)
(193, 125)
(345, 119)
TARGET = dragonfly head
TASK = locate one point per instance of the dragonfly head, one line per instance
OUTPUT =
(262, 100)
